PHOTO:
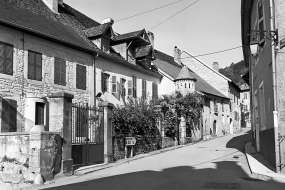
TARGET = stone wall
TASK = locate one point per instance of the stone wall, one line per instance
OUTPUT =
(24, 155)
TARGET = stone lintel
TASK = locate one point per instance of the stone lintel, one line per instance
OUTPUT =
(106, 104)
(61, 95)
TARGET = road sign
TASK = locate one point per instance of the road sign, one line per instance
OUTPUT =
(130, 141)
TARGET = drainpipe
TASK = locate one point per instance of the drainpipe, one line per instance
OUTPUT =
(275, 108)
(95, 55)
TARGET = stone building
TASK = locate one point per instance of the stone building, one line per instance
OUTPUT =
(216, 109)
(263, 33)
(220, 82)
(48, 46)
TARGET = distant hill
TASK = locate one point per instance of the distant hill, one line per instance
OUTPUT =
(234, 72)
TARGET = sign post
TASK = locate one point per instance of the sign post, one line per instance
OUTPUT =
(130, 141)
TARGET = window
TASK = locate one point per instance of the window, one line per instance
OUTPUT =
(6, 59)
(9, 116)
(40, 108)
(230, 105)
(245, 108)
(245, 95)
(81, 77)
(154, 91)
(144, 89)
(59, 71)
(132, 87)
(114, 84)
(35, 66)
(104, 82)
(261, 23)
(123, 89)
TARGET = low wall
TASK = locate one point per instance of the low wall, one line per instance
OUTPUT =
(143, 145)
(168, 142)
(24, 155)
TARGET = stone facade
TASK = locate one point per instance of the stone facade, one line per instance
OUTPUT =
(18, 87)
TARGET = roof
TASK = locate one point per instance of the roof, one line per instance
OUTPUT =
(97, 30)
(143, 51)
(127, 36)
(35, 17)
(217, 72)
(167, 64)
(185, 74)
(246, 6)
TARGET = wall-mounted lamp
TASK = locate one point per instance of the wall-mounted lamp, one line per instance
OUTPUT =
(254, 48)
(262, 33)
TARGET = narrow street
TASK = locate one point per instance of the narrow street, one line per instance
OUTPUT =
(214, 164)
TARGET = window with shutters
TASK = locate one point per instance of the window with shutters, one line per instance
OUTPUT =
(9, 115)
(115, 87)
(154, 91)
(144, 89)
(261, 21)
(35, 66)
(59, 71)
(132, 87)
(6, 58)
(81, 77)
(123, 89)
(104, 81)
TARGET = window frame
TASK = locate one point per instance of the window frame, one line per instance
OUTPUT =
(28, 75)
(5, 58)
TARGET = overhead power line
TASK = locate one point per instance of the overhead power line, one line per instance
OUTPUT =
(174, 14)
(212, 52)
(148, 11)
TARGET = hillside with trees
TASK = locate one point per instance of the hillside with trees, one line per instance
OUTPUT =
(234, 72)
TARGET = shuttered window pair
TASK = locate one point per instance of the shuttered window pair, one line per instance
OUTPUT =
(154, 91)
(59, 71)
(132, 87)
(144, 89)
(6, 59)
(81, 77)
(104, 82)
(35, 66)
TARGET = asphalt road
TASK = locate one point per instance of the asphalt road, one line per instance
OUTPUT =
(216, 164)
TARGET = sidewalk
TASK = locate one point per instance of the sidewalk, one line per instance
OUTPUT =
(260, 167)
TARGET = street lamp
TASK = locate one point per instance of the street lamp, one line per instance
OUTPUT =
(254, 48)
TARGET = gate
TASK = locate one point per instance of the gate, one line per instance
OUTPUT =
(87, 135)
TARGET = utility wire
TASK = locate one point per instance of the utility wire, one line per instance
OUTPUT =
(174, 15)
(212, 52)
(148, 11)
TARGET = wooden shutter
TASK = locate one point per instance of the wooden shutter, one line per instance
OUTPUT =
(123, 89)
(130, 88)
(9, 60)
(144, 89)
(103, 89)
(261, 21)
(114, 84)
(2, 58)
(154, 91)
(59, 71)
(31, 67)
(81, 77)
(38, 66)
(134, 87)
(9, 116)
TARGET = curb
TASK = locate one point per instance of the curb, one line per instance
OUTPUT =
(258, 169)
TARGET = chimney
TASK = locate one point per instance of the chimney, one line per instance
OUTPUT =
(53, 4)
(177, 55)
(216, 66)
(107, 20)
(151, 38)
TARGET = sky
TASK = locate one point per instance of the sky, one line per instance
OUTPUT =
(205, 27)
